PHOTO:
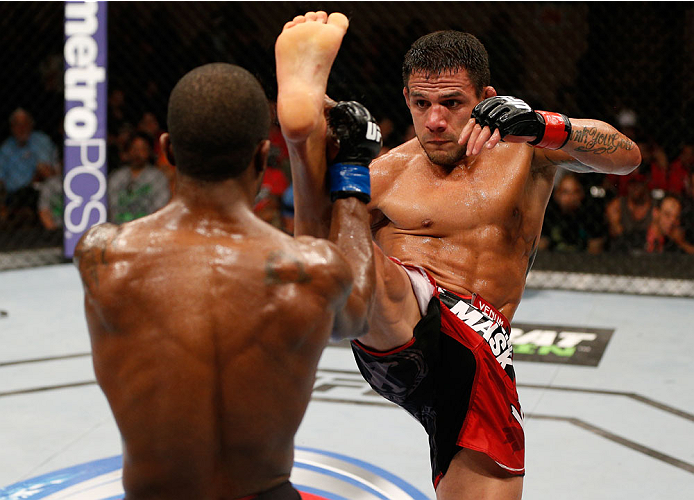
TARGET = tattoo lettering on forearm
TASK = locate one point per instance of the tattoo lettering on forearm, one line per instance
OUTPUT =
(598, 143)
(282, 268)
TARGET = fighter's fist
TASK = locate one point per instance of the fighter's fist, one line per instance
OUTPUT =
(512, 116)
(360, 141)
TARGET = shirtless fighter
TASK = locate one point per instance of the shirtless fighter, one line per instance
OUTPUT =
(206, 323)
(459, 213)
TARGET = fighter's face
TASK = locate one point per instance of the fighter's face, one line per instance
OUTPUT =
(441, 106)
(569, 194)
(669, 215)
(21, 128)
(139, 153)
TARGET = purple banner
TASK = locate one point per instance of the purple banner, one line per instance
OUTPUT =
(84, 173)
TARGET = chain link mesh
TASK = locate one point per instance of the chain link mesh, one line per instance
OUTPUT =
(629, 64)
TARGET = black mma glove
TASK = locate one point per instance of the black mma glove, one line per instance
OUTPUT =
(360, 142)
(514, 117)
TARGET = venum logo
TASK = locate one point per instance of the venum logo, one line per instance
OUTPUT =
(494, 333)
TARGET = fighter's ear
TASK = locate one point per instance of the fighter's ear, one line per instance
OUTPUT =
(406, 95)
(165, 141)
(488, 92)
(262, 153)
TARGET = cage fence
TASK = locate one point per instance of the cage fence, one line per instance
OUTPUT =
(630, 64)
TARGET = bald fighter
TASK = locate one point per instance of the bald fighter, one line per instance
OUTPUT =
(207, 323)
(456, 219)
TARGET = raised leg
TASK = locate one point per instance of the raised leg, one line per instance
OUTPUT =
(474, 476)
(304, 54)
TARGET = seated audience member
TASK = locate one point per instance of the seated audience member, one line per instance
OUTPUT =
(267, 203)
(687, 217)
(149, 124)
(680, 170)
(27, 157)
(658, 171)
(569, 225)
(665, 234)
(138, 188)
(628, 217)
(51, 204)
(653, 157)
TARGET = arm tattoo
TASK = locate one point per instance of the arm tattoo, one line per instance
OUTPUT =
(595, 142)
(90, 261)
(91, 254)
(282, 268)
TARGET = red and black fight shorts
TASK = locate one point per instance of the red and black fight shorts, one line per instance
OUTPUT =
(456, 378)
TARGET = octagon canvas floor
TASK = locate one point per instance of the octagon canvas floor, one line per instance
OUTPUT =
(604, 380)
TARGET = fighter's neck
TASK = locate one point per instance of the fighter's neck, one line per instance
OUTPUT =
(228, 198)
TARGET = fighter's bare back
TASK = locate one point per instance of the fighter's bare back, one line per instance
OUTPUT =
(474, 227)
(206, 333)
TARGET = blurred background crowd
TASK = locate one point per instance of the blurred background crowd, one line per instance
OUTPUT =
(629, 64)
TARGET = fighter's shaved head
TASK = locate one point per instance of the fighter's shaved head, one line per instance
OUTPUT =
(217, 115)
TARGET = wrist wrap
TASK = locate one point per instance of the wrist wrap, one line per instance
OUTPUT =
(556, 133)
(349, 180)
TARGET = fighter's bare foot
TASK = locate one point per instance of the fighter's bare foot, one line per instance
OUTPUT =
(304, 53)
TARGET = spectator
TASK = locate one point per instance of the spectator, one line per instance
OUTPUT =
(652, 158)
(149, 124)
(28, 156)
(680, 170)
(139, 188)
(569, 225)
(268, 201)
(665, 233)
(658, 171)
(279, 146)
(628, 217)
(687, 218)
(50, 204)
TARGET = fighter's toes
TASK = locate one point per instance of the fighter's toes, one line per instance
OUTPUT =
(338, 19)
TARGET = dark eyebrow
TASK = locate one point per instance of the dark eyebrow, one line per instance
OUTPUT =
(452, 95)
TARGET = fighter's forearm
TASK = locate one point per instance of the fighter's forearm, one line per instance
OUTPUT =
(349, 230)
(601, 148)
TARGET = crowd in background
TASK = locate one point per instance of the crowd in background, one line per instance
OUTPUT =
(650, 210)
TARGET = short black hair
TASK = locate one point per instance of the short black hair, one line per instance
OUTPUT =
(443, 51)
(217, 116)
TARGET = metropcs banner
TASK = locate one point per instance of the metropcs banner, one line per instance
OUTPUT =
(84, 172)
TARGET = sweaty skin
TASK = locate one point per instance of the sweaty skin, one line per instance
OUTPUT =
(473, 227)
(465, 206)
(206, 333)
(458, 203)
(207, 325)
